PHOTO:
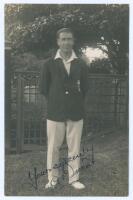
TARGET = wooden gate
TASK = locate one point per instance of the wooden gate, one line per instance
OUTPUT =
(106, 107)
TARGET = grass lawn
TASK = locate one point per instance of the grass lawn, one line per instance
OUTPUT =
(107, 177)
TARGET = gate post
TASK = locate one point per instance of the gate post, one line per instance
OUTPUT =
(115, 102)
(7, 91)
(127, 103)
(20, 127)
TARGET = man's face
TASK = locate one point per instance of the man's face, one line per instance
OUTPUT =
(65, 41)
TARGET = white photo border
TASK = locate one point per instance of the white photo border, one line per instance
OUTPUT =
(2, 144)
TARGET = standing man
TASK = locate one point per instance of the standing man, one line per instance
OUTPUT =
(64, 83)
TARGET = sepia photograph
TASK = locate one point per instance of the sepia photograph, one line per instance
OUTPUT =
(66, 97)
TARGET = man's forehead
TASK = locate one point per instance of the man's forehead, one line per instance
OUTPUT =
(66, 34)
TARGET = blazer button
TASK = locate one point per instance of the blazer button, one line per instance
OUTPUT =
(66, 92)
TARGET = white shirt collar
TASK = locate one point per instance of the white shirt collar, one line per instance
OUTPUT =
(72, 57)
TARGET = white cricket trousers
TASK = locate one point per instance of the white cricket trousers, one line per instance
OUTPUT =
(56, 132)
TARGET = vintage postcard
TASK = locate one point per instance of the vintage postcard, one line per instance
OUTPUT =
(67, 70)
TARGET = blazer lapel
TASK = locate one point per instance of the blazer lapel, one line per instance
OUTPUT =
(73, 67)
(61, 66)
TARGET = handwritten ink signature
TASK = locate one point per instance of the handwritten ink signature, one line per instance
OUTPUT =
(33, 177)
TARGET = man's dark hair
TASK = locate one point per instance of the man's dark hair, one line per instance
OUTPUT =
(64, 30)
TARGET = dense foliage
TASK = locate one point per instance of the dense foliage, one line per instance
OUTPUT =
(32, 28)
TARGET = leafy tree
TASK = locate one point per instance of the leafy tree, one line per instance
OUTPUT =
(32, 28)
(26, 62)
(101, 66)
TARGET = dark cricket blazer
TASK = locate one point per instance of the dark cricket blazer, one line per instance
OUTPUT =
(65, 93)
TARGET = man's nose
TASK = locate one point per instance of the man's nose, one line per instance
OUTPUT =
(65, 41)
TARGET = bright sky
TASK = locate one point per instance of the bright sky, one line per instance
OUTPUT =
(93, 53)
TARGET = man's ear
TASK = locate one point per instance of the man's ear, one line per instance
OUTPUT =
(74, 40)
